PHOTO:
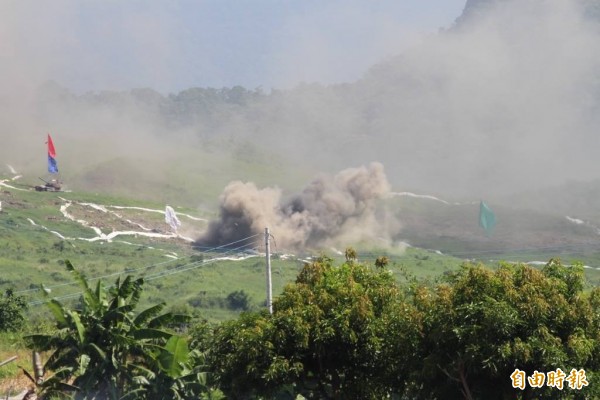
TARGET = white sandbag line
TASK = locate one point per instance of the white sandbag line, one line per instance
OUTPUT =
(100, 236)
(43, 227)
(156, 211)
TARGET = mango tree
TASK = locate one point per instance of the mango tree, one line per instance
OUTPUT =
(337, 332)
(481, 326)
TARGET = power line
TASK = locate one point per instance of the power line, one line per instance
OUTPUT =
(100, 277)
(151, 277)
(201, 263)
(196, 264)
(183, 268)
(572, 247)
(129, 271)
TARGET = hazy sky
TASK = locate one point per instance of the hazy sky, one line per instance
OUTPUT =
(173, 45)
(507, 101)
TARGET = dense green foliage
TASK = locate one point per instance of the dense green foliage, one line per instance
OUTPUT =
(339, 331)
(104, 350)
(330, 335)
(238, 300)
(480, 325)
(12, 310)
(353, 332)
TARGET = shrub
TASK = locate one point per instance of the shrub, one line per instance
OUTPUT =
(12, 308)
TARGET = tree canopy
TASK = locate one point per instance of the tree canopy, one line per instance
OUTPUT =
(480, 325)
(343, 331)
(352, 331)
(12, 309)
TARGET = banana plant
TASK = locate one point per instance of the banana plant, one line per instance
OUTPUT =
(104, 349)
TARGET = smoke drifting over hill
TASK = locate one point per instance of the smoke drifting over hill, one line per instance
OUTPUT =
(502, 101)
(329, 210)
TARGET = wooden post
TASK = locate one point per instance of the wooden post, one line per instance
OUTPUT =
(13, 358)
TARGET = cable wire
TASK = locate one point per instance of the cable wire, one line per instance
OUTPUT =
(183, 268)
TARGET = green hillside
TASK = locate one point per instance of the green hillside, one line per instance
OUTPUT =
(40, 230)
(108, 237)
(521, 235)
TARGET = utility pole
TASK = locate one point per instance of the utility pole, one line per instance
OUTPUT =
(269, 284)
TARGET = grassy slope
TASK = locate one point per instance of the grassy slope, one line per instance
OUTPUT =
(520, 235)
(31, 255)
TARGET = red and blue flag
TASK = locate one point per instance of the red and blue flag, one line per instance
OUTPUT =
(52, 167)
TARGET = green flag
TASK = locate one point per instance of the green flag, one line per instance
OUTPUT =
(487, 219)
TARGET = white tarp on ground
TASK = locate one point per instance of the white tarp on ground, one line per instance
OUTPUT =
(171, 218)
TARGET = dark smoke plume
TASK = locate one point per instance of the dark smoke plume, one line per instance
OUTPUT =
(329, 210)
